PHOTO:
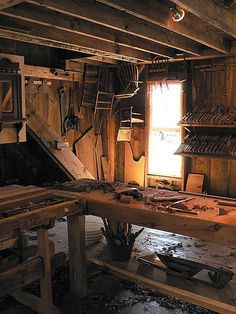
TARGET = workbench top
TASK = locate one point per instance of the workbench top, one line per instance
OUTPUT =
(25, 207)
(206, 225)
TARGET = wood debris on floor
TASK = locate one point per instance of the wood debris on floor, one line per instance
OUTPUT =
(107, 295)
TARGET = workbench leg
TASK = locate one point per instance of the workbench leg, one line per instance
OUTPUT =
(46, 281)
(77, 255)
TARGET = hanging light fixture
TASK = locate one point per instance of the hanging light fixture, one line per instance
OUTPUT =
(177, 14)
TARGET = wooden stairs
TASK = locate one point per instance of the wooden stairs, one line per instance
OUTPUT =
(54, 146)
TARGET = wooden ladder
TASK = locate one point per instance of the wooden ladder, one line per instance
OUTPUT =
(91, 81)
(104, 101)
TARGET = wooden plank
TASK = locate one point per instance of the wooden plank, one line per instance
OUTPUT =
(219, 300)
(207, 225)
(50, 36)
(14, 193)
(46, 73)
(213, 14)
(42, 216)
(103, 15)
(219, 177)
(158, 14)
(45, 280)
(30, 13)
(21, 275)
(23, 198)
(195, 182)
(134, 170)
(232, 178)
(46, 136)
(31, 301)
(77, 255)
(4, 4)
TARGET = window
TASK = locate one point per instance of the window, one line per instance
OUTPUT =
(164, 133)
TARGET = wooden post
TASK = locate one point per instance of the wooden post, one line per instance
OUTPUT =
(45, 282)
(77, 255)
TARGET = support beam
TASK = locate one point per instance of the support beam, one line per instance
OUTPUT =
(21, 275)
(35, 14)
(211, 13)
(121, 21)
(158, 14)
(4, 4)
(50, 36)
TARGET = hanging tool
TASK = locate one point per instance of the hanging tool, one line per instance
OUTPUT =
(62, 98)
(71, 122)
(80, 138)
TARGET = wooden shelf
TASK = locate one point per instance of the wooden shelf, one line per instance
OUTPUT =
(206, 155)
(219, 300)
(13, 121)
(206, 125)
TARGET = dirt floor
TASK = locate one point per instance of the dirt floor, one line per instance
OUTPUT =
(110, 295)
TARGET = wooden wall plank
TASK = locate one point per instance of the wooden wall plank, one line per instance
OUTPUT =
(219, 176)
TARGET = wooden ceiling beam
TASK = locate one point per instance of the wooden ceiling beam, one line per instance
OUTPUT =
(157, 12)
(103, 15)
(4, 4)
(61, 21)
(50, 36)
(211, 13)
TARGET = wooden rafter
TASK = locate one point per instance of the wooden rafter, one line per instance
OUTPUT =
(120, 21)
(158, 14)
(211, 13)
(4, 4)
(50, 36)
(61, 21)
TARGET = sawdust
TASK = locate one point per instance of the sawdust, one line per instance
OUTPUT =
(109, 303)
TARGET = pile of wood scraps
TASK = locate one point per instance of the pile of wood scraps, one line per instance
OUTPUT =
(208, 144)
(85, 185)
(171, 204)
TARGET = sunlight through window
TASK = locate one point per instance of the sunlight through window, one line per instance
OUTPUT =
(164, 133)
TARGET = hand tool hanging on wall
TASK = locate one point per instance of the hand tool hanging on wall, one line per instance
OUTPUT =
(62, 98)
(71, 121)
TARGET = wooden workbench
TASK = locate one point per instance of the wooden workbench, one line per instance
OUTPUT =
(23, 208)
(206, 225)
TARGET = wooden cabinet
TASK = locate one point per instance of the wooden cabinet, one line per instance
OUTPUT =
(12, 109)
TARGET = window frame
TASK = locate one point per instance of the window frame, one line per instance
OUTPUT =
(148, 115)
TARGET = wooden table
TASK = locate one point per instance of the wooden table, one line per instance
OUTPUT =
(15, 216)
(207, 225)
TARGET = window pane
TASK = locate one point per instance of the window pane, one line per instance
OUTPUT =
(165, 135)
(166, 105)
(162, 145)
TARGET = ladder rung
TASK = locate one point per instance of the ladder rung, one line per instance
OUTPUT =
(105, 93)
(103, 102)
(103, 108)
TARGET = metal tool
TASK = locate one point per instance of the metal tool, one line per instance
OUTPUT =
(187, 269)
(62, 98)
(216, 277)
(71, 121)
(129, 191)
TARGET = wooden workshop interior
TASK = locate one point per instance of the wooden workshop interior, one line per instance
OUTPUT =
(123, 112)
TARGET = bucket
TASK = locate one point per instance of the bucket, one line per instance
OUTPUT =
(120, 252)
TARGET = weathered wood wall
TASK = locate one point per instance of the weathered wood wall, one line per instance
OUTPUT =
(214, 88)
(211, 87)
(95, 143)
